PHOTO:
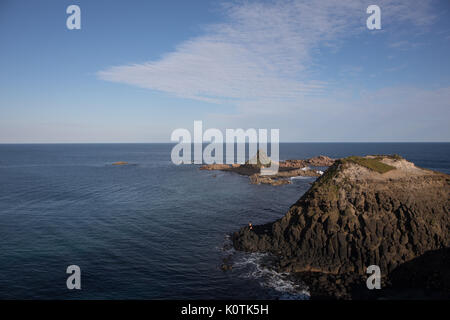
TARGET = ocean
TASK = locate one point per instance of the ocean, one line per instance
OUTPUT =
(150, 229)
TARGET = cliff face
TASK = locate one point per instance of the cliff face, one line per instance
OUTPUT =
(380, 210)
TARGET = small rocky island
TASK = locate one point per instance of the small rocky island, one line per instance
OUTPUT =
(287, 168)
(120, 163)
(373, 210)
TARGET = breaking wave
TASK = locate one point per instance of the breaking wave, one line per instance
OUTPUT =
(302, 178)
(257, 266)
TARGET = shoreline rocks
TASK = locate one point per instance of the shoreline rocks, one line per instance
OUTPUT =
(287, 169)
(319, 161)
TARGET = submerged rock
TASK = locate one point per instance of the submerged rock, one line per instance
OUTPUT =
(380, 210)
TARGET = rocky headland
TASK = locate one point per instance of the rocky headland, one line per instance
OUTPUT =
(373, 210)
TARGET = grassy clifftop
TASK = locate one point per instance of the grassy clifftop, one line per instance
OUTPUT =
(374, 163)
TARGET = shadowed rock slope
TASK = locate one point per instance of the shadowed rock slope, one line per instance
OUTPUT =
(379, 210)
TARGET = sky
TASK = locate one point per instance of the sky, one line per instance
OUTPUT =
(137, 70)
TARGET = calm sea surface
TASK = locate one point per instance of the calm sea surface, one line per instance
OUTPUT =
(148, 230)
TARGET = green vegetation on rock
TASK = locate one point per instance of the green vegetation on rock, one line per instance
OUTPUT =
(371, 163)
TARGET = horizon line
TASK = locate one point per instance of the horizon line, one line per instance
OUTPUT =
(55, 143)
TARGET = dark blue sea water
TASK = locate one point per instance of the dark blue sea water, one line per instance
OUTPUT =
(149, 230)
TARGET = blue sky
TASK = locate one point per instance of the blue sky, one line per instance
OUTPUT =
(137, 70)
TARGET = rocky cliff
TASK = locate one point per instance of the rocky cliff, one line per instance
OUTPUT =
(380, 210)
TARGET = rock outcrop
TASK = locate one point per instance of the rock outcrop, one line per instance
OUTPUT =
(287, 169)
(120, 163)
(380, 210)
(319, 161)
(260, 160)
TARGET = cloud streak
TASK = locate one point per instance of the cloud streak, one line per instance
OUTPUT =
(262, 53)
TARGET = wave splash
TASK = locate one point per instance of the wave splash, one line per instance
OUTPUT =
(257, 266)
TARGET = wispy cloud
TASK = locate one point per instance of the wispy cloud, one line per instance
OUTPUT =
(262, 54)
(405, 44)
